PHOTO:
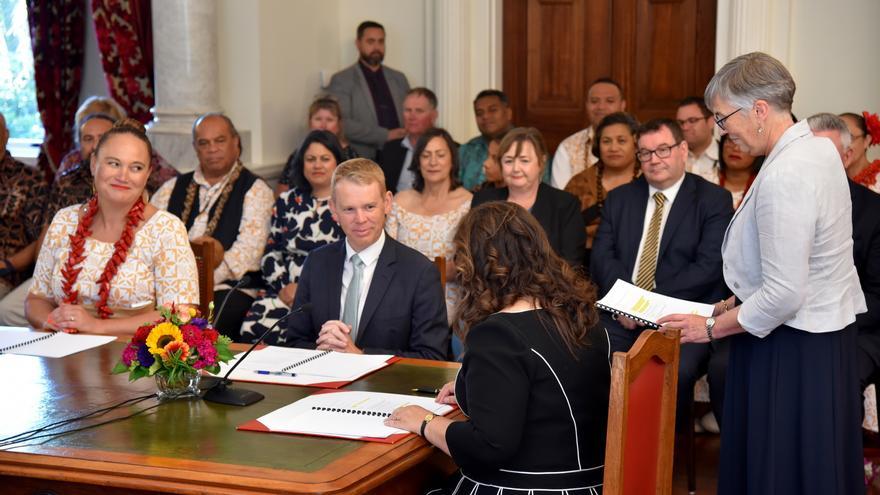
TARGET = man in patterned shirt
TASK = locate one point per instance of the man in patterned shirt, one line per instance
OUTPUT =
(494, 118)
(22, 188)
(574, 154)
(225, 205)
(70, 187)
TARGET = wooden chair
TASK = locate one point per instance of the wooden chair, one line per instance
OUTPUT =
(440, 261)
(205, 263)
(641, 416)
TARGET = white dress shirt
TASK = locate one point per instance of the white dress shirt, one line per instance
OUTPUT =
(788, 250)
(670, 192)
(370, 257)
(705, 165)
(407, 176)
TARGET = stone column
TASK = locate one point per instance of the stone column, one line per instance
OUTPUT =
(753, 25)
(185, 69)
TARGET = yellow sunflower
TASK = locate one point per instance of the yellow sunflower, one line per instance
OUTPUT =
(161, 335)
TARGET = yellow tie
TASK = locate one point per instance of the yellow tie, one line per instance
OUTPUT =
(648, 260)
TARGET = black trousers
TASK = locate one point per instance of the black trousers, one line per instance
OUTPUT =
(232, 315)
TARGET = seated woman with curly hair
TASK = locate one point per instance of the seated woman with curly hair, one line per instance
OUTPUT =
(536, 375)
(106, 264)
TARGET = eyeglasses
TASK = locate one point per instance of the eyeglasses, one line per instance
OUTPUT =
(690, 121)
(720, 122)
(662, 151)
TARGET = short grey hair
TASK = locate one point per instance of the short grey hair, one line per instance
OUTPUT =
(208, 115)
(749, 78)
(830, 122)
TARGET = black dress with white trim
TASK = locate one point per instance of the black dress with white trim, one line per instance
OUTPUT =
(537, 414)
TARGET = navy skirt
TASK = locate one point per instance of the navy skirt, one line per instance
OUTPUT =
(792, 416)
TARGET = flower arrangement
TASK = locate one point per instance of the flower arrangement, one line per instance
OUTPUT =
(175, 348)
(872, 122)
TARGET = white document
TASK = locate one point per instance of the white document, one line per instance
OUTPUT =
(349, 414)
(304, 366)
(17, 340)
(647, 307)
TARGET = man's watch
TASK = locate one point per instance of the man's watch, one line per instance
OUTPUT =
(710, 324)
(428, 418)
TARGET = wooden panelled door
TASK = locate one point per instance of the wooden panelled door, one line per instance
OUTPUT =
(659, 50)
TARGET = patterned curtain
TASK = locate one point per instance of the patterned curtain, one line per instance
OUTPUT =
(125, 40)
(57, 28)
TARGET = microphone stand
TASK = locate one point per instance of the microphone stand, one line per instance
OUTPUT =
(244, 280)
(221, 392)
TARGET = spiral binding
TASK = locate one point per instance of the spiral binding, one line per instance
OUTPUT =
(351, 411)
(647, 323)
(29, 342)
(306, 360)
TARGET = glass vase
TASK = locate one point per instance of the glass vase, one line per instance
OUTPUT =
(183, 386)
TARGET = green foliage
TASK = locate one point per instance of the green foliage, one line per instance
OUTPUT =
(18, 94)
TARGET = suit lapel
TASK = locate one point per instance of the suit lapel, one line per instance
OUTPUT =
(362, 82)
(684, 203)
(634, 223)
(334, 287)
(381, 280)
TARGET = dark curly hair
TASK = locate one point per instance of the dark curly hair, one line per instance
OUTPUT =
(416, 165)
(502, 255)
(324, 138)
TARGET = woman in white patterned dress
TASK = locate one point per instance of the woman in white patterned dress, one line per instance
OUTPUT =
(426, 217)
(301, 222)
(106, 264)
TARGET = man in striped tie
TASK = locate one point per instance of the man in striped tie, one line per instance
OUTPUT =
(663, 233)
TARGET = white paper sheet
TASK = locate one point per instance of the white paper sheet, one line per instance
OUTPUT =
(53, 345)
(629, 300)
(362, 415)
(321, 367)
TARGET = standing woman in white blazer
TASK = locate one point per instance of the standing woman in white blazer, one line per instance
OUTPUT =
(793, 398)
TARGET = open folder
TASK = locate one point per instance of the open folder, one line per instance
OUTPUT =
(306, 367)
(349, 414)
(18, 340)
(647, 307)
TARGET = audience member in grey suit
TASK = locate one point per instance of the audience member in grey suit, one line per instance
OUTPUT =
(371, 95)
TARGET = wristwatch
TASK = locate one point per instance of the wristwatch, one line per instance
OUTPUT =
(428, 418)
(710, 324)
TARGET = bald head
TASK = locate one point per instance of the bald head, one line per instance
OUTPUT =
(4, 132)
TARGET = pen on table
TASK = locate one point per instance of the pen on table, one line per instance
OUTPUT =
(424, 390)
(274, 373)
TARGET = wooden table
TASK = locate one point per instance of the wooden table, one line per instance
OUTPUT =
(192, 446)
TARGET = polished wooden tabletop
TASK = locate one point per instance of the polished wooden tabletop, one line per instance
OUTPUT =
(189, 446)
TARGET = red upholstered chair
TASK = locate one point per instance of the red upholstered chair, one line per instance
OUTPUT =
(440, 261)
(641, 416)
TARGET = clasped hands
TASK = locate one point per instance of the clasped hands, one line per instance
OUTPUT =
(336, 336)
(71, 318)
(410, 418)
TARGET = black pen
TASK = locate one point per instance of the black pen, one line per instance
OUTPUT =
(423, 390)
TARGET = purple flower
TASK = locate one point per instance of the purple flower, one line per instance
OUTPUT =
(144, 357)
(129, 354)
(199, 322)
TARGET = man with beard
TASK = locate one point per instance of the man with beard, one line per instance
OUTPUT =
(70, 187)
(371, 95)
(494, 115)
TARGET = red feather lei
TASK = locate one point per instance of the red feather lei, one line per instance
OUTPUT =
(72, 267)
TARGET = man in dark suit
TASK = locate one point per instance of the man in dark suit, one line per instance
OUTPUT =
(866, 247)
(370, 94)
(663, 232)
(369, 293)
(419, 115)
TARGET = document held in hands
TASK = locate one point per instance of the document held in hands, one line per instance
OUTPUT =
(646, 307)
(18, 340)
(350, 414)
(308, 367)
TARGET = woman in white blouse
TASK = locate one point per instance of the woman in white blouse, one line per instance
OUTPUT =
(106, 264)
(793, 398)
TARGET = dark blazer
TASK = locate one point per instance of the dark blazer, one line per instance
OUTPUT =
(391, 159)
(405, 310)
(866, 251)
(689, 261)
(558, 212)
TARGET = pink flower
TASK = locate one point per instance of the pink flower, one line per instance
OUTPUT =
(207, 352)
(192, 334)
(130, 354)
